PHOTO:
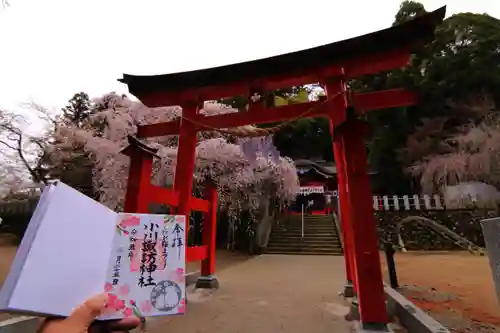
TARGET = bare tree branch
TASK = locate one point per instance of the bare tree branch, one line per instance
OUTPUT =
(14, 138)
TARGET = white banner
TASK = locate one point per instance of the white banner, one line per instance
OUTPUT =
(306, 190)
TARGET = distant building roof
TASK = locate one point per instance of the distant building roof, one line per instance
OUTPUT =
(324, 168)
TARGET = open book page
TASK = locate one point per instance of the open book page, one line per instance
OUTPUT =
(68, 257)
(24, 247)
(145, 274)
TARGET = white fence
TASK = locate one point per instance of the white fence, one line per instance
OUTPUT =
(402, 202)
(408, 202)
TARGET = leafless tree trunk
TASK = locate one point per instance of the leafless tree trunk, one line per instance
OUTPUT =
(30, 151)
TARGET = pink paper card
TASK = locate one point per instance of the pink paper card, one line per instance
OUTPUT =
(146, 267)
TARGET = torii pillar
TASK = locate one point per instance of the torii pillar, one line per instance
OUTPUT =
(362, 258)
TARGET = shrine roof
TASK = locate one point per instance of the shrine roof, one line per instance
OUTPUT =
(418, 30)
(326, 169)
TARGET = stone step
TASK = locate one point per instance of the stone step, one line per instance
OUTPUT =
(303, 252)
(306, 234)
(320, 237)
(305, 241)
(291, 247)
(310, 224)
(310, 218)
(322, 242)
(306, 227)
(299, 222)
(299, 226)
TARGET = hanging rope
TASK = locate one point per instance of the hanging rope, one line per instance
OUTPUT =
(250, 131)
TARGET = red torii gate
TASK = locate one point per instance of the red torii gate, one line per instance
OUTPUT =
(331, 65)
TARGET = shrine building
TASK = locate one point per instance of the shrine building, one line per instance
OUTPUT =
(318, 186)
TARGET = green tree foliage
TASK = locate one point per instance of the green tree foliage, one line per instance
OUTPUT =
(76, 169)
(408, 10)
(307, 138)
(456, 76)
(78, 109)
(300, 138)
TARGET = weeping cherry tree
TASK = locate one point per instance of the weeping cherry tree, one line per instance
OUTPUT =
(247, 178)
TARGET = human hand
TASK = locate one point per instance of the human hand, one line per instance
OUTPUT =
(82, 320)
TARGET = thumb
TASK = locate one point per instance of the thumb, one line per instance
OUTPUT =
(83, 316)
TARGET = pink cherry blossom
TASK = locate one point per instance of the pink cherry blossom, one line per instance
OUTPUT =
(130, 221)
(112, 300)
(128, 312)
(108, 287)
(243, 183)
(120, 304)
(146, 307)
(181, 308)
(124, 290)
(178, 275)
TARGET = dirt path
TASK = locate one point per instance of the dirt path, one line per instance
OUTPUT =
(265, 294)
(268, 294)
(456, 287)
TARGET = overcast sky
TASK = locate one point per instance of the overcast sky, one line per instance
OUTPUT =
(54, 48)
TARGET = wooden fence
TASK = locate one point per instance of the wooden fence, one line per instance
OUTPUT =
(407, 202)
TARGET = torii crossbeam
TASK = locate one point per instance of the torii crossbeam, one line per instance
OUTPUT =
(331, 65)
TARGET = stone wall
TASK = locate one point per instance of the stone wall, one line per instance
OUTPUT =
(466, 223)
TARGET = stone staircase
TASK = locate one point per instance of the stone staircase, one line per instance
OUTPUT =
(320, 236)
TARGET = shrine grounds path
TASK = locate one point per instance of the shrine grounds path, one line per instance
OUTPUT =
(267, 294)
(455, 287)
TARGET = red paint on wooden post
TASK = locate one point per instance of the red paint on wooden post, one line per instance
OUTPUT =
(368, 274)
(184, 170)
(333, 90)
(209, 231)
(344, 211)
(139, 180)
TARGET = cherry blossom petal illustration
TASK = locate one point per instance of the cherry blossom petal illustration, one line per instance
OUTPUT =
(177, 275)
(111, 303)
(120, 304)
(146, 306)
(108, 287)
(124, 290)
(181, 308)
(130, 221)
(128, 312)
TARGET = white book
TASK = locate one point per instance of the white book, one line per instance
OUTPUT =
(75, 247)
